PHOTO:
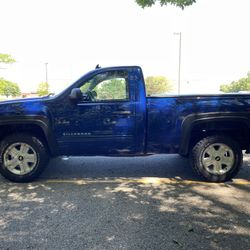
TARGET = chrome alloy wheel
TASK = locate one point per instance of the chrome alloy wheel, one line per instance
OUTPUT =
(218, 159)
(20, 158)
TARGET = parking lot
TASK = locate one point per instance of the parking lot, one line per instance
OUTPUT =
(153, 202)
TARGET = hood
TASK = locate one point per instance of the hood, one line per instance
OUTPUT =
(29, 106)
(22, 100)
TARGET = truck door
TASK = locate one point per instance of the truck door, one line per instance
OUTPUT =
(104, 121)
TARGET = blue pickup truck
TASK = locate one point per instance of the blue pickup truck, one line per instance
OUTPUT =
(107, 112)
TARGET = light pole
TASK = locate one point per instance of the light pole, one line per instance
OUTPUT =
(179, 71)
(46, 72)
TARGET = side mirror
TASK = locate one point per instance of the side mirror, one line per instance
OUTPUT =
(85, 97)
(75, 95)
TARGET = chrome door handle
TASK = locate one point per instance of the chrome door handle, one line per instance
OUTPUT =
(122, 112)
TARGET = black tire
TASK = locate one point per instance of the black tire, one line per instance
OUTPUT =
(200, 153)
(38, 151)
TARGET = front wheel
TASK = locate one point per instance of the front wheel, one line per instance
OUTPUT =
(217, 158)
(22, 157)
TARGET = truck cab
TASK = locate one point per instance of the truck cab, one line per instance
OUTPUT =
(102, 113)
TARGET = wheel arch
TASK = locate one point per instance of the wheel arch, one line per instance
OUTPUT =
(36, 126)
(197, 126)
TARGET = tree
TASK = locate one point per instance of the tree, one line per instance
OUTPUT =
(6, 58)
(8, 88)
(242, 84)
(111, 89)
(157, 85)
(179, 3)
(43, 89)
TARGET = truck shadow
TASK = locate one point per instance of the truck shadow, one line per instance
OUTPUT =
(163, 166)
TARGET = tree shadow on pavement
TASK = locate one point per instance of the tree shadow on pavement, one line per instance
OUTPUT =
(113, 212)
(126, 215)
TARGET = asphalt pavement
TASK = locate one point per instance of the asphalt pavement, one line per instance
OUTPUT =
(154, 202)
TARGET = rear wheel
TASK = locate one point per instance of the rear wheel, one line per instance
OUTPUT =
(217, 158)
(22, 157)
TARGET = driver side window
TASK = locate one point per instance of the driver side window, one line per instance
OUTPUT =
(108, 86)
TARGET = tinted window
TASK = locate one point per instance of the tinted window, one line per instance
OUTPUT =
(107, 86)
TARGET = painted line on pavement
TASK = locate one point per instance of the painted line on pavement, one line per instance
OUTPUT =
(146, 180)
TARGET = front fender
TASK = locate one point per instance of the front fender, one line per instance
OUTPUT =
(41, 121)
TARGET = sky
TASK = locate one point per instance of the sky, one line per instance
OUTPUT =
(73, 36)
